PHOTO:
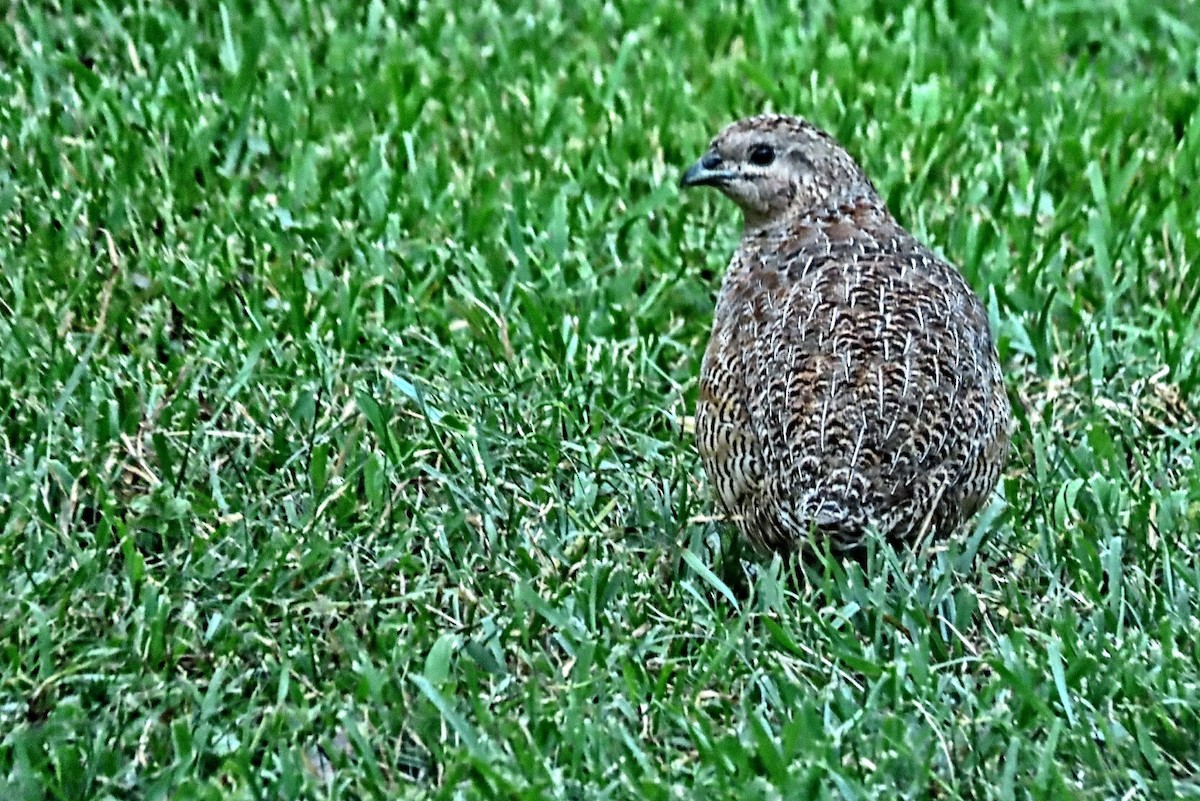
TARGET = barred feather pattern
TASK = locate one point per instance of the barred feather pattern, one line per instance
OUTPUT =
(850, 383)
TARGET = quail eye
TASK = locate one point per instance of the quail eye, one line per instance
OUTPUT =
(762, 155)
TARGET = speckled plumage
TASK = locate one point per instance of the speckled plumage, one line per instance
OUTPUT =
(850, 381)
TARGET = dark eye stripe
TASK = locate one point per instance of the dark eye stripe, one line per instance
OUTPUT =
(800, 156)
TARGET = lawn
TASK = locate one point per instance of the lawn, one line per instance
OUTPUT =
(347, 352)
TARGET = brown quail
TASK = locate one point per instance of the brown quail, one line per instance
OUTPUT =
(851, 382)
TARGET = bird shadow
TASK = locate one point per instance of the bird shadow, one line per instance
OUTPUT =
(895, 574)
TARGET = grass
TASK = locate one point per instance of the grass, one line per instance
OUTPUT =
(345, 352)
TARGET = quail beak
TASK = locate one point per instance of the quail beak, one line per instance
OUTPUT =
(705, 172)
